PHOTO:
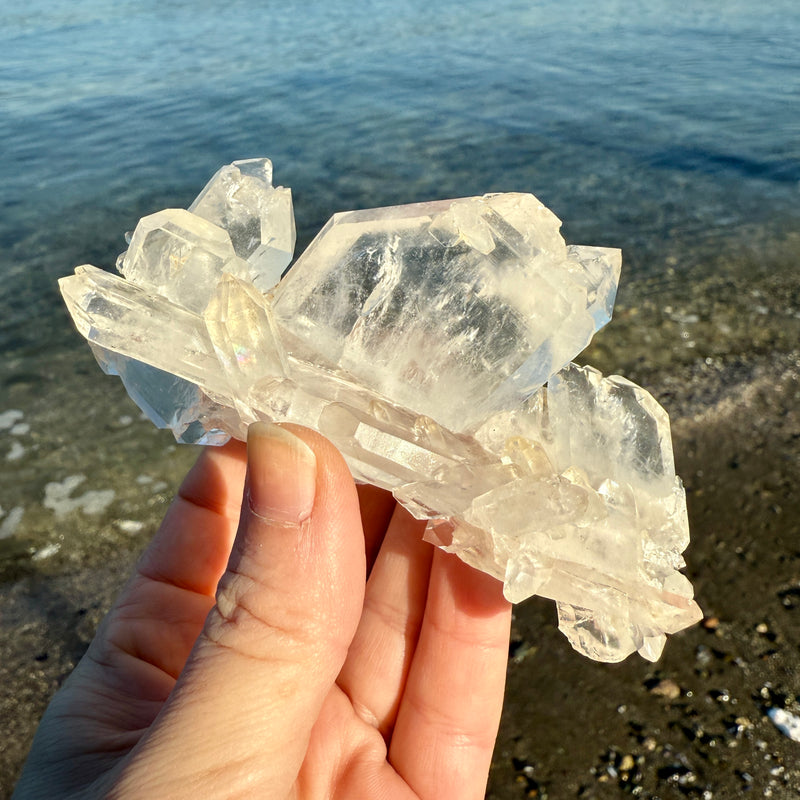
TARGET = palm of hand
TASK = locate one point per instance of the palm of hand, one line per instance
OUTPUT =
(304, 679)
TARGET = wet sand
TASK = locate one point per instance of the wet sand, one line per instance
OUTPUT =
(693, 724)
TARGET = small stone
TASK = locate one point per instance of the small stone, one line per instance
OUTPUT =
(703, 655)
(59, 497)
(786, 722)
(130, 526)
(10, 418)
(10, 522)
(627, 763)
(710, 623)
(666, 688)
(48, 551)
(16, 452)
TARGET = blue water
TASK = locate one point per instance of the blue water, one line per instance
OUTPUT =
(111, 104)
(671, 130)
(632, 120)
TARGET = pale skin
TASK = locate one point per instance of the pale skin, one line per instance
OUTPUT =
(302, 642)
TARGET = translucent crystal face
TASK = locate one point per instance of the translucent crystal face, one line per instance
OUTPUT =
(455, 308)
(241, 199)
(178, 255)
(431, 344)
(239, 225)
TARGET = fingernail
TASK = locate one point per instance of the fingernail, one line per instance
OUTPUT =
(281, 475)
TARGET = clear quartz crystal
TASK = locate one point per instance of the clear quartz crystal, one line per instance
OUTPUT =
(455, 308)
(431, 344)
(180, 256)
(259, 218)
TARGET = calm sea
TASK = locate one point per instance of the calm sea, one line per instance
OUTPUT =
(669, 129)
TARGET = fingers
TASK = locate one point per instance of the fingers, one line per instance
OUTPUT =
(118, 688)
(377, 507)
(374, 674)
(450, 712)
(162, 610)
(192, 545)
(287, 607)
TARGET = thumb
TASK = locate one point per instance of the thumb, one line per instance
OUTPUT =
(240, 716)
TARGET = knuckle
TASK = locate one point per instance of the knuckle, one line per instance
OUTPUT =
(250, 620)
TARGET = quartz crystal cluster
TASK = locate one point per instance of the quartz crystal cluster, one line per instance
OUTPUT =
(432, 344)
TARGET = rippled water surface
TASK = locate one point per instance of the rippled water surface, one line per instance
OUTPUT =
(670, 130)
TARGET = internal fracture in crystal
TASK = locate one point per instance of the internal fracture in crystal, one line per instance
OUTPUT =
(432, 344)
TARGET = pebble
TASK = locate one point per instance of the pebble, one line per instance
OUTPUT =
(666, 688)
(155, 486)
(46, 552)
(8, 527)
(58, 497)
(649, 744)
(9, 418)
(130, 526)
(787, 723)
(520, 650)
(16, 452)
(703, 655)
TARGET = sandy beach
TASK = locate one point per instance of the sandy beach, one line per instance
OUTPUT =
(694, 724)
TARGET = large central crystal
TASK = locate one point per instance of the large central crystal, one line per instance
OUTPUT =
(432, 343)
(455, 309)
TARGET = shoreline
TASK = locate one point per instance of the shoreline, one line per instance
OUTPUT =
(737, 448)
(721, 355)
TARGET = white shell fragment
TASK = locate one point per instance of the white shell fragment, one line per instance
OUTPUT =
(786, 722)
(432, 343)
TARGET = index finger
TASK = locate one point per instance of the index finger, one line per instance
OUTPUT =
(193, 543)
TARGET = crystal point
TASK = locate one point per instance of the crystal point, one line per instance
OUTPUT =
(178, 255)
(432, 344)
(241, 199)
(454, 308)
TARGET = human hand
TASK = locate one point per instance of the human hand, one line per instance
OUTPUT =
(303, 678)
